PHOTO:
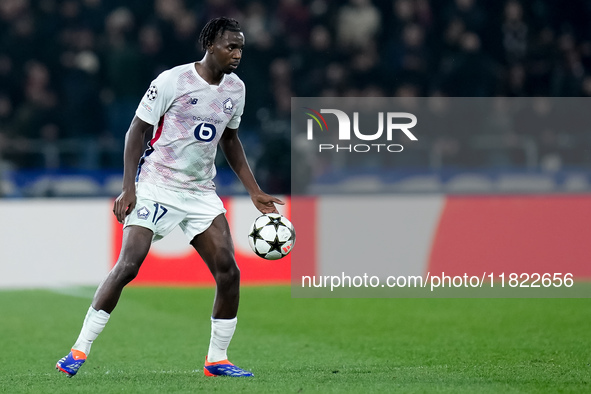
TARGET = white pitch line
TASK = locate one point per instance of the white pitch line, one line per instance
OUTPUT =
(78, 292)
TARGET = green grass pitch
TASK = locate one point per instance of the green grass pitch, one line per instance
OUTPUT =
(157, 339)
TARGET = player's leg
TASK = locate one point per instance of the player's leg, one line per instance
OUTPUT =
(134, 249)
(217, 250)
(135, 246)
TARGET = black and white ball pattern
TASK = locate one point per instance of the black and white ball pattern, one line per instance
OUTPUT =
(152, 93)
(271, 236)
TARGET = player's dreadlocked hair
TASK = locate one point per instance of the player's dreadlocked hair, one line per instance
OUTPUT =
(215, 28)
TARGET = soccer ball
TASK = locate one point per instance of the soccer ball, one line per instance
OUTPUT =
(271, 236)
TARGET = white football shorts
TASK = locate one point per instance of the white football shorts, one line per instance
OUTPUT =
(161, 210)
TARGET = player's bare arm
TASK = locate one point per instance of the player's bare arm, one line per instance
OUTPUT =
(234, 152)
(134, 147)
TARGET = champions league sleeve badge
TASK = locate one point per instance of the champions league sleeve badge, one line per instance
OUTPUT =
(152, 93)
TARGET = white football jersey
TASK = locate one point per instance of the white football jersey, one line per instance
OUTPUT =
(189, 116)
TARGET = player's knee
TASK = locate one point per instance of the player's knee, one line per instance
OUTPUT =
(228, 281)
(230, 273)
(233, 274)
(126, 271)
(226, 270)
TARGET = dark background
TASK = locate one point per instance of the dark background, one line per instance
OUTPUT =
(72, 73)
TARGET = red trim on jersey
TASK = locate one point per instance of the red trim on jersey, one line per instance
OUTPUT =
(158, 131)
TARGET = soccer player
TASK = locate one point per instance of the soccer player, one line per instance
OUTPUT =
(188, 110)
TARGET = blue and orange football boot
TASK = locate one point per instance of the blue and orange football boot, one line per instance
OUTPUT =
(71, 363)
(224, 368)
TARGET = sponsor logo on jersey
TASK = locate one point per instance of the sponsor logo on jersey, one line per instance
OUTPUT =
(152, 93)
(147, 107)
(228, 106)
(207, 119)
(143, 213)
(192, 101)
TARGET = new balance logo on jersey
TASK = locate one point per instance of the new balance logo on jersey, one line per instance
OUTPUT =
(228, 106)
(192, 101)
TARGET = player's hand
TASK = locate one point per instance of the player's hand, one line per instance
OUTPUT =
(124, 204)
(266, 203)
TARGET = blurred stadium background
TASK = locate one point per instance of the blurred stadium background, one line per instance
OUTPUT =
(72, 73)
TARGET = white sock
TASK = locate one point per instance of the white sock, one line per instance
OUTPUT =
(94, 323)
(222, 331)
